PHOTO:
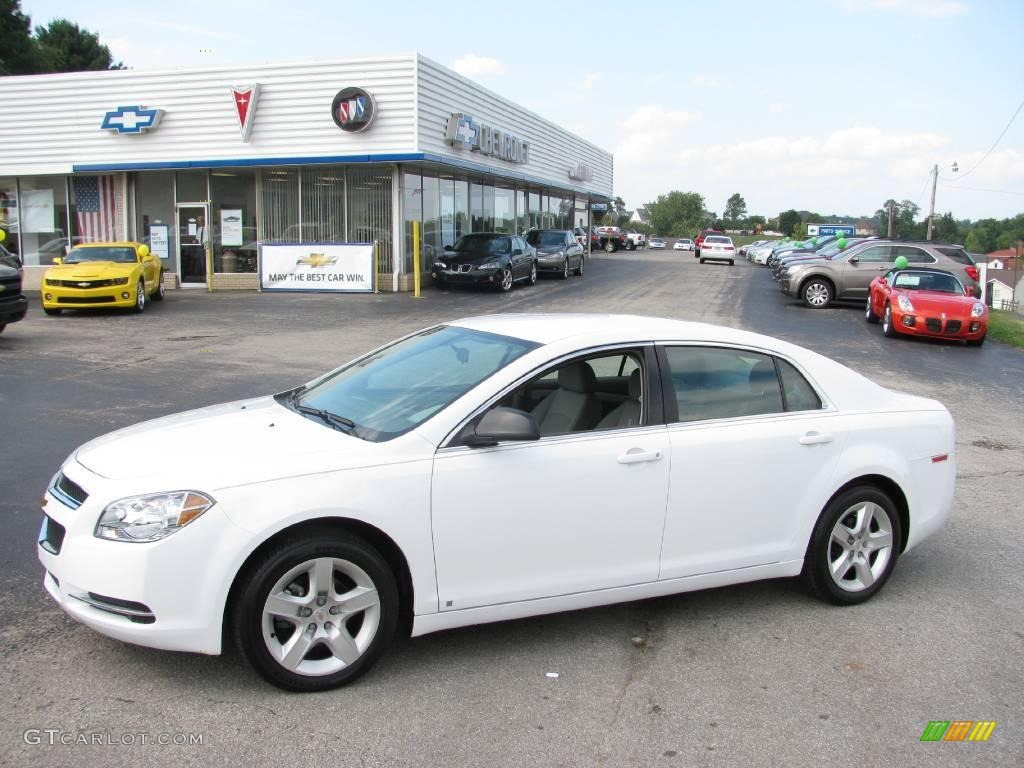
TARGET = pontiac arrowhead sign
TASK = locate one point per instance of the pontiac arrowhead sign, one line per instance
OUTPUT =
(245, 98)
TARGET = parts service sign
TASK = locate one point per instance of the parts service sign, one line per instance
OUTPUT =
(340, 267)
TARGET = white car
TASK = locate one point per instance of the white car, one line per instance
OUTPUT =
(656, 242)
(684, 245)
(718, 248)
(488, 469)
(760, 254)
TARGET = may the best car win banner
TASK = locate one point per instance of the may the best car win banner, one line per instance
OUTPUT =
(342, 267)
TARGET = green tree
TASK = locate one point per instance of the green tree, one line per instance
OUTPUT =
(946, 229)
(18, 52)
(788, 221)
(904, 223)
(66, 47)
(677, 214)
(735, 210)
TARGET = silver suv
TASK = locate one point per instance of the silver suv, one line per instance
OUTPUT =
(848, 275)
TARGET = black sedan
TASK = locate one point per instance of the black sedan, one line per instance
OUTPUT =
(558, 251)
(487, 259)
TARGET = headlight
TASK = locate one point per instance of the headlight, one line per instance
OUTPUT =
(491, 265)
(905, 303)
(978, 310)
(152, 517)
(119, 281)
(440, 265)
(560, 254)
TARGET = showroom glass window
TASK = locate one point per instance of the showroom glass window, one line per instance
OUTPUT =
(504, 210)
(322, 211)
(412, 210)
(431, 219)
(9, 214)
(533, 215)
(447, 187)
(488, 208)
(154, 204)
(521, 226)
(369, 210)
(43, 216)
(233, 220)
(476, 207)
(279, 205)
(462, 221)
(720, 383)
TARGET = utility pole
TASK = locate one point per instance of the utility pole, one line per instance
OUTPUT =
(892, 213)
(931, 208)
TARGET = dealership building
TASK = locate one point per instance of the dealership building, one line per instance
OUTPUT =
(207, 166)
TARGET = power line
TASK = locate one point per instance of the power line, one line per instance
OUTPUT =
(994, 145)
(982, 189)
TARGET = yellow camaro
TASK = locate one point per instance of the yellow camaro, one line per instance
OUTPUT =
(103, 275)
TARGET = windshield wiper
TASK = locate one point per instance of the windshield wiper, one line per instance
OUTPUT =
(328, 418)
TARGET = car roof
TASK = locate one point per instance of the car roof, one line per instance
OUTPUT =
(119, 243)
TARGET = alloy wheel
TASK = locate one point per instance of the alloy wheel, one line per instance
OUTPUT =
(140, 297)
(321, 616)
(860, 546)
(533, 274)
(817, 295)
(565, 269)
(506, 279)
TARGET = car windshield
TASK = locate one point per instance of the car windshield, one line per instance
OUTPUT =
(928, 281)
(546, 237)
(496, 244)
(123, 254)
(395, 389)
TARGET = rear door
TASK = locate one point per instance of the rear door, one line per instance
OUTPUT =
(861, 268)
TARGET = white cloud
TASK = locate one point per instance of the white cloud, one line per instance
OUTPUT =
(590, 80)
(649, 131)
(472, 65)
(777, 108)
(704, 81)
(933, 9)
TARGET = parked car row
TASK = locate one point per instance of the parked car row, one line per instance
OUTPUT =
(914, 287)
(500, 261)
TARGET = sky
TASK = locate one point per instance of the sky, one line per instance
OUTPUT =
(831, 106)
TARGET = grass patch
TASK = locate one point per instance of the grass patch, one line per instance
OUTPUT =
(1007, 327)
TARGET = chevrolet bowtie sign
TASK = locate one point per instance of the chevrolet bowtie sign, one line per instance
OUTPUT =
(465, 132)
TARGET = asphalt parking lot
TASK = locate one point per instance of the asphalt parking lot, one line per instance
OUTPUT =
(757, 674)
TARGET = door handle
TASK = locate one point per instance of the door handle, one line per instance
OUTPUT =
(815, 438)
(638, 455)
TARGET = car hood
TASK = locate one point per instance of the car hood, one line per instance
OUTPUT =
(470, 257)
(226, 445)
(549, 250)
(933, 303)
(88, 270)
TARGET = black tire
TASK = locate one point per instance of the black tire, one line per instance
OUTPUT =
(507, 280)
(565, 270)
(822, 548)
(158, 294)
(2, 326)
(579, 269)
(140, 298)
(732, 263)
(52, 312)
(817, 287)
(630, 245)
(532, 279)
(869, 313)
(247, 617)
(888, 327)
(976, 342)
(702, 261)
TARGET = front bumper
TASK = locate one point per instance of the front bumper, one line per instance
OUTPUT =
(553, 264)
(62, 297)
(11, 311)
(961, 329)
(169, 594)
(473, 277)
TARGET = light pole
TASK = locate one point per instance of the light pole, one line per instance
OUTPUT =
(931, 208)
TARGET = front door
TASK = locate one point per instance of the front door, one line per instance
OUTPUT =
(864, 266)
(193, 243)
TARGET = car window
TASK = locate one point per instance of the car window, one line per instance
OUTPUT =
(875, 254)
(959, 255)
(597, 392)
(716, 383)
(545, 238)
(800, 396)
(913, 255)
(399, 387)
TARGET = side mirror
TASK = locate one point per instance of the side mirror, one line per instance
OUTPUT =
(854, 259)
(501, 425)
(517, 252)
(448, 247)
(58, 260)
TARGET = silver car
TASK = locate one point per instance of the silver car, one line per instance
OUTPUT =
(847, 276)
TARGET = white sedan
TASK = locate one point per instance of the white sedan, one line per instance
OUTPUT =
(487, 469)
(684, 245)
(656, 242)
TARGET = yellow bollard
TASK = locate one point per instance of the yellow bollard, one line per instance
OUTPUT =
(416, 260)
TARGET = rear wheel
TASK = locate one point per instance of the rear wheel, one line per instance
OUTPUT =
(2, 326)
(869, 313)
(887, 325)
(702, 261)
(731, 263)
(579, 269)
(533, 274)
(158, 294)
(854, 547)
(52, 312)
(317, 612)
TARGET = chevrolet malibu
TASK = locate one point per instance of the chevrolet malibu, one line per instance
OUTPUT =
(488, 469)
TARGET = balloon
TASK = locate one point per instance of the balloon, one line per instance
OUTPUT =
(3, 235)
(143, 251)
(842, 244)
(901, 262)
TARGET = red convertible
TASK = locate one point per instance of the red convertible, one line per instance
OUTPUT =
(926, 302)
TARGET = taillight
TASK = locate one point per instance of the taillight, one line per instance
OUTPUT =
(728, 248)
(972, 272)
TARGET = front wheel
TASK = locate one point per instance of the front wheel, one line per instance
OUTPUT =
(140, 297)
(317, 612)
(506, 280)
(869, 313)
(854, 547)
(579, 269)
(887, 325)
(817, 293)
(565, 269)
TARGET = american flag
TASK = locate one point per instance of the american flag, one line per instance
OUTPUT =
(96, 207)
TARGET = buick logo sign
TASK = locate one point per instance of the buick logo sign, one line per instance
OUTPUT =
(353, 110)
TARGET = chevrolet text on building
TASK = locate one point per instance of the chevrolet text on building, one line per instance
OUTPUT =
(408, 140)
(464, 132)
